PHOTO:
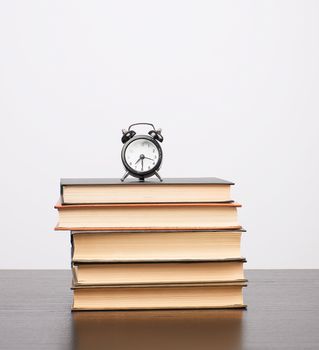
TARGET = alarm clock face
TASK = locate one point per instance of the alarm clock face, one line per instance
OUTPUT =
(142, 155)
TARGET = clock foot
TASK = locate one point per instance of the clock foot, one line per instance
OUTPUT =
(125, 176)
(158, 176)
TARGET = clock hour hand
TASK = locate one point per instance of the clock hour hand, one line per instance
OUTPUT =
(138, 160)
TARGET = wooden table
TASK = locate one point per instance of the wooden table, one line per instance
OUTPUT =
(283, 313)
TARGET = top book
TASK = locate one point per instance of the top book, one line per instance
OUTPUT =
(170, 190)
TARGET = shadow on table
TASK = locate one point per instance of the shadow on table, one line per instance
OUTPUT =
(196, 329)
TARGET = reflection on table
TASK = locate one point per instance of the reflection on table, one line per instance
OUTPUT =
(175, 329)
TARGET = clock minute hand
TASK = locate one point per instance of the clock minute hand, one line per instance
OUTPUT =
(148, 158)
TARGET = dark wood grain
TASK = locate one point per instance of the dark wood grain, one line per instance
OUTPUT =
(283, 313)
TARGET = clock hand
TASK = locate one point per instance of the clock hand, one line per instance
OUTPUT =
(142, 163)
(148, 158)
(138, 160)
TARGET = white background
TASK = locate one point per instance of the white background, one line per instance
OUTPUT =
(233, 84)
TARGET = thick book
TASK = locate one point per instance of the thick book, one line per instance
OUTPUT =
(94, 191)
(183, 296)
(144, 246)
(148, 216)
(158, 273)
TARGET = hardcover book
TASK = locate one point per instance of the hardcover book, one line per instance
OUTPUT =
(158, 273)
(94, 191)
(155, 246)
(148, 216)
(188, 296)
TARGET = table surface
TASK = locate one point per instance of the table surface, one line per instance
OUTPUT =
(283, 313)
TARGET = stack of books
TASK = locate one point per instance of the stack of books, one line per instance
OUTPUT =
(153, 245)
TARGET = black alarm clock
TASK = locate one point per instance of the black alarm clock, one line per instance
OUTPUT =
(142, 154)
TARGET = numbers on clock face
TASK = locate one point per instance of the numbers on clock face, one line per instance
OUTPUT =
(142, 155)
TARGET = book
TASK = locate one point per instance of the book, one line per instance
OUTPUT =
(197, 296)
(158, 273)
(153, 246)
(148, 216)
(94, 191)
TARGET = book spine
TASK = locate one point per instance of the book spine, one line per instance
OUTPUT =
(72, 248)
(74, 276)
(61, 193)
